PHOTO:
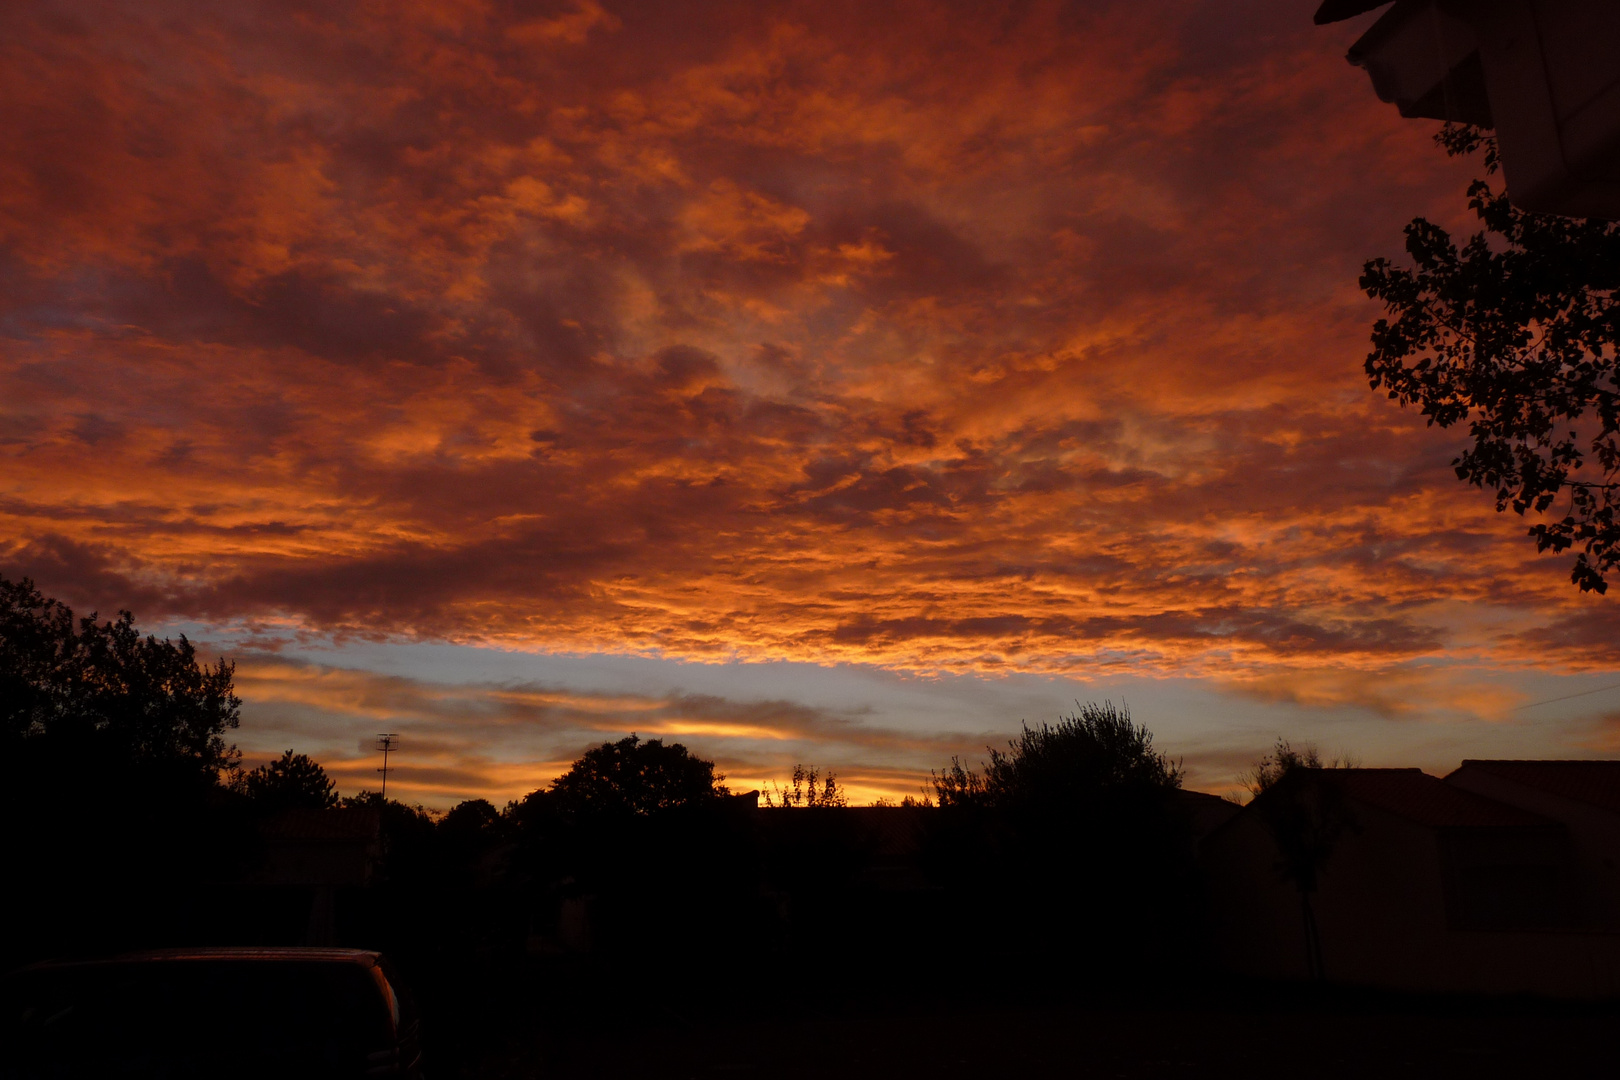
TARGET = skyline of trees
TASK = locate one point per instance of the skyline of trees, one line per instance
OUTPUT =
(76, 686)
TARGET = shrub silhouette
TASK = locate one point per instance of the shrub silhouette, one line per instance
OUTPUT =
(1078, 818)
(805, 791)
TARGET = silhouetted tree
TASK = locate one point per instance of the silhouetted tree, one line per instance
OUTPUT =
(111, 752)
(469, 833)
(638, 778)
(804, 790)
(1282, 760)
(958, 786)
(471, 818)
(1080, 816)
(407, 833)
(291, 782)
(103, 689)
(1515, 331)
(409, 878)
(1306, 819)
(636, 833)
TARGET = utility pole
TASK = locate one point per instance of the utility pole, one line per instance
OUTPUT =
(388, 743)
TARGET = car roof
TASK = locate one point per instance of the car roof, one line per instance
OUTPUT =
(248, 954)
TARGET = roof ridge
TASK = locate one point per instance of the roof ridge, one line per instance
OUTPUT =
(1541, 761)
(1416, 801)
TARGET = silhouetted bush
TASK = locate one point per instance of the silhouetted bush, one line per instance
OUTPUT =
(808, 787)
(1078, 822)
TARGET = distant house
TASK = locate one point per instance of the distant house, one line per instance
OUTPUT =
(1205, 813)
(1583, 797)
(1420, 885)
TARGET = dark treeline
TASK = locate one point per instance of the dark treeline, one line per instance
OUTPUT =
(113, 757)
(1063, 861)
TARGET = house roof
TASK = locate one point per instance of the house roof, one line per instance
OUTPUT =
(1206, 812)
(1596, 783)
(1427, 800)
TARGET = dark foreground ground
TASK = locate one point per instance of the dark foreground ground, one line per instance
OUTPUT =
(1046, 1042)
(785, 1034)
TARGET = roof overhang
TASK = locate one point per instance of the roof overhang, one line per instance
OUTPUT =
(1333, 11)
(1545, 74)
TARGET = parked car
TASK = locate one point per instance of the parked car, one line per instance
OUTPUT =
(249, 1012)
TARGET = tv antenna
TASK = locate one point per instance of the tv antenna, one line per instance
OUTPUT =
(388, 743)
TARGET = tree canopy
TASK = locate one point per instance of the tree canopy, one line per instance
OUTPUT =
(635, 777)
(1514, 330)
(292, 782)
(103, 689)
(112, 746)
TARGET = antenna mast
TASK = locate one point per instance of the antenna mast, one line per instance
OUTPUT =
(388, 743)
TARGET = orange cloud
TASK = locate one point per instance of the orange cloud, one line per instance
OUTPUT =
(942, 338)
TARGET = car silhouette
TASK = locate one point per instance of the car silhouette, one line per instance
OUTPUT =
(183, 1013)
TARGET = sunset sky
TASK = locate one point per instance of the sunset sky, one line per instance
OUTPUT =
(826, 383)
